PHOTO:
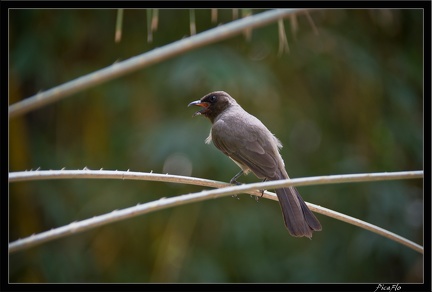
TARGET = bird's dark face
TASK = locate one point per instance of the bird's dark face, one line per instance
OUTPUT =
(213, 104)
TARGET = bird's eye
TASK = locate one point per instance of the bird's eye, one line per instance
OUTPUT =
(213, 98)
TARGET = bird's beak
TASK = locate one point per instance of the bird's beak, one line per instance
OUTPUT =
(204, 106)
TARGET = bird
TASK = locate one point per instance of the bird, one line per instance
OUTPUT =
(250, 144)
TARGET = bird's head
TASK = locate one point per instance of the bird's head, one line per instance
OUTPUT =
(213, 104)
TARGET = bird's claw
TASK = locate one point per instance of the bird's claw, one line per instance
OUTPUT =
(258, 197)
(234, 182)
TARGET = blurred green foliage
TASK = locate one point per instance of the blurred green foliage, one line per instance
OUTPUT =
(346, 100)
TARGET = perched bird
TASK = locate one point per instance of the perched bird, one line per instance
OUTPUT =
(245, 139)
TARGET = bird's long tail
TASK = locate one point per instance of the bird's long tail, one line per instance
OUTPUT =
(299, 220)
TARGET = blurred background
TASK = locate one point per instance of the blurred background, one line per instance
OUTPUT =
(346, 100)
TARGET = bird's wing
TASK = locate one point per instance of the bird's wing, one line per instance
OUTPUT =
(250, 145)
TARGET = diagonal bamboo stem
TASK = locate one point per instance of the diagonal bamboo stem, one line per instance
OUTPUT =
(146, 59)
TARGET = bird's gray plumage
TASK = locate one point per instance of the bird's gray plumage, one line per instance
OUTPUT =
(247, 141)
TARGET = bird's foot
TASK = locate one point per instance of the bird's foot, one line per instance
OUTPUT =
(234, 181)
(258, 197)
(261, 191)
